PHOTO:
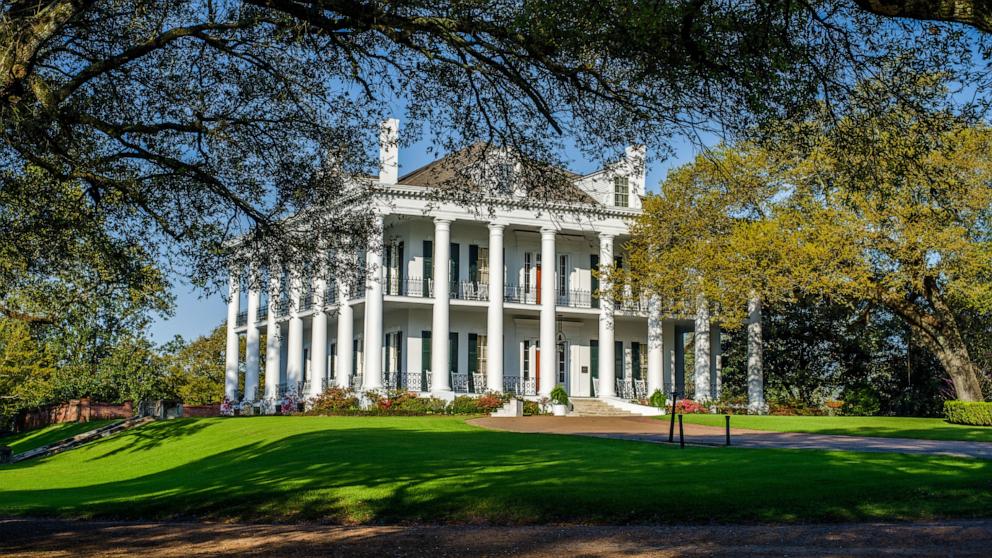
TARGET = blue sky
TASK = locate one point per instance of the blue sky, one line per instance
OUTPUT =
(196, 314)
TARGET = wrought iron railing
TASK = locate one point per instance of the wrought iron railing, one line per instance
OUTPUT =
(628, 388)
(575, 298)
(242, 319)
(519, 386)
(409, 286)
(520, 294)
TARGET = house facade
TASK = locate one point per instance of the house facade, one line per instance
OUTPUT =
(521, 311)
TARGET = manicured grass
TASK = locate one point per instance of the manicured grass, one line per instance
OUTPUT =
(883, 427)
(422, 469)
(32, 439)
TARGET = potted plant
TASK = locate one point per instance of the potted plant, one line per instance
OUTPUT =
(559, 401)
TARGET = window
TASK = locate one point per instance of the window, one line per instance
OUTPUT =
(454, 263)
(332, 363)
(621, 191)
(594, 358)
(425, 358)
(527, 266)
(562, 362)
(484, 265)
(476, 358)
(563, 276)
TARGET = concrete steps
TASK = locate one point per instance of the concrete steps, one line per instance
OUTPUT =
(79, 439)
(587, 407)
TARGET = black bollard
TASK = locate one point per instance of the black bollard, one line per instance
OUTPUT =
(681, 433)
(671, 427)
(728, 429)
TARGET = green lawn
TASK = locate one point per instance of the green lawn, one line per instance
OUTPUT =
(43, 436)
(884, 427)
(421, 469)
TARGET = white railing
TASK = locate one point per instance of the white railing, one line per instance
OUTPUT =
(417, 381)
(519, 386)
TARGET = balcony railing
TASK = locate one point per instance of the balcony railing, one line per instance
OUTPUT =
(409, 286)
(470, 290)
(520, 294)
(242, 319)
(575, 298)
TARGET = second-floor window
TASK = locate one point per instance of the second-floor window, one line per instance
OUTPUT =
(621, 191)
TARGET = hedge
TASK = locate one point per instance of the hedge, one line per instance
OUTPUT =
(968, 412)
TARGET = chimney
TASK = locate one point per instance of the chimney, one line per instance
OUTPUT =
(389, 151)
(636, 156)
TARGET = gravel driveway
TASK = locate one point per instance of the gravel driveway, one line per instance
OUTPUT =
(648, 429)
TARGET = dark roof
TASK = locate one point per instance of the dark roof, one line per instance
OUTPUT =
(446, 172)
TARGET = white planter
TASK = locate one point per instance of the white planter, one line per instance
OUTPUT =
(559, 410)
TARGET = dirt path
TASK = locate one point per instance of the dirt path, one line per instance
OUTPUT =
(654, 430)
(54, 538)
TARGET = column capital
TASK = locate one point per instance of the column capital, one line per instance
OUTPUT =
(442, 223)
(496, 228)
(606, 237)
(548, 231)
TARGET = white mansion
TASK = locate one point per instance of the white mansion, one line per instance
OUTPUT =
(522, 314)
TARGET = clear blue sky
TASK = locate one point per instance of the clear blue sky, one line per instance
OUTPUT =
(196, 314)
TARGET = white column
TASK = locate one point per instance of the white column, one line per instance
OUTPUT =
(231, 354)
(318, 329)
(655, 351)
(755, 374)
(701, 373)
(549, 353)
(294, 358)
(346, 322)
(251, 341)
(273, 335)
(494, 331)
(715, 359)
(441, 380)
(668, 356)
(373, 309)
(607, 371)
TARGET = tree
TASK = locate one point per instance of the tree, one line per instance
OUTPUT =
(196, 369)
(24, 370)
(183, 125)
(890, 204)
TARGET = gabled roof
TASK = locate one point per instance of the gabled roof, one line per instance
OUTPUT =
(444, 171)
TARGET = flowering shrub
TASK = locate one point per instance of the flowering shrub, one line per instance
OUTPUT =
(227, 407)
(334, 399)
(420, 406)
(491, 401)
(658, 399)
(290, 402)
(690, 407)
(464, 405)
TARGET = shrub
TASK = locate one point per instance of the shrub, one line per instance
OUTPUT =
(464, 405)
(532, 408)
(559, 396)
(421, 406)
(975, 413)
(658, 399)
(861, 401)
(690, 407)
(334, 400)
(491, 401)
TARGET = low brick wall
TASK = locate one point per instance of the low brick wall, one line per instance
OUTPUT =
(76, 410)
(201, 410)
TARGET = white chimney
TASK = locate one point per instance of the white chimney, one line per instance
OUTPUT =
(636, 156)
(389, 151)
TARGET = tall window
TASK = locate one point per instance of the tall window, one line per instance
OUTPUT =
(621, 191)
(484, 265)
(425, 358)
(563, 275)
(526, 366)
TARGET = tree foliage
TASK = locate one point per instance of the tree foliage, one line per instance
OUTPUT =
(180, 126)
(890, 204)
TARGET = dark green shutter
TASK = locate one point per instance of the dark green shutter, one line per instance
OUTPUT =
(425, 358)
(594, 267)
(473, 359)
(635, 360)
(618, 358)
(453, 352)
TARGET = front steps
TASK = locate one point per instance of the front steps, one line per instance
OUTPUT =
(589, 407)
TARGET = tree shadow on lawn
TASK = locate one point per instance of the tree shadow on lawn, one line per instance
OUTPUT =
(390, 474)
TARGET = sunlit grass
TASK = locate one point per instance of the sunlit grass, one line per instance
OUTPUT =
(418, 469)
(884, 427)
(32, 439)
